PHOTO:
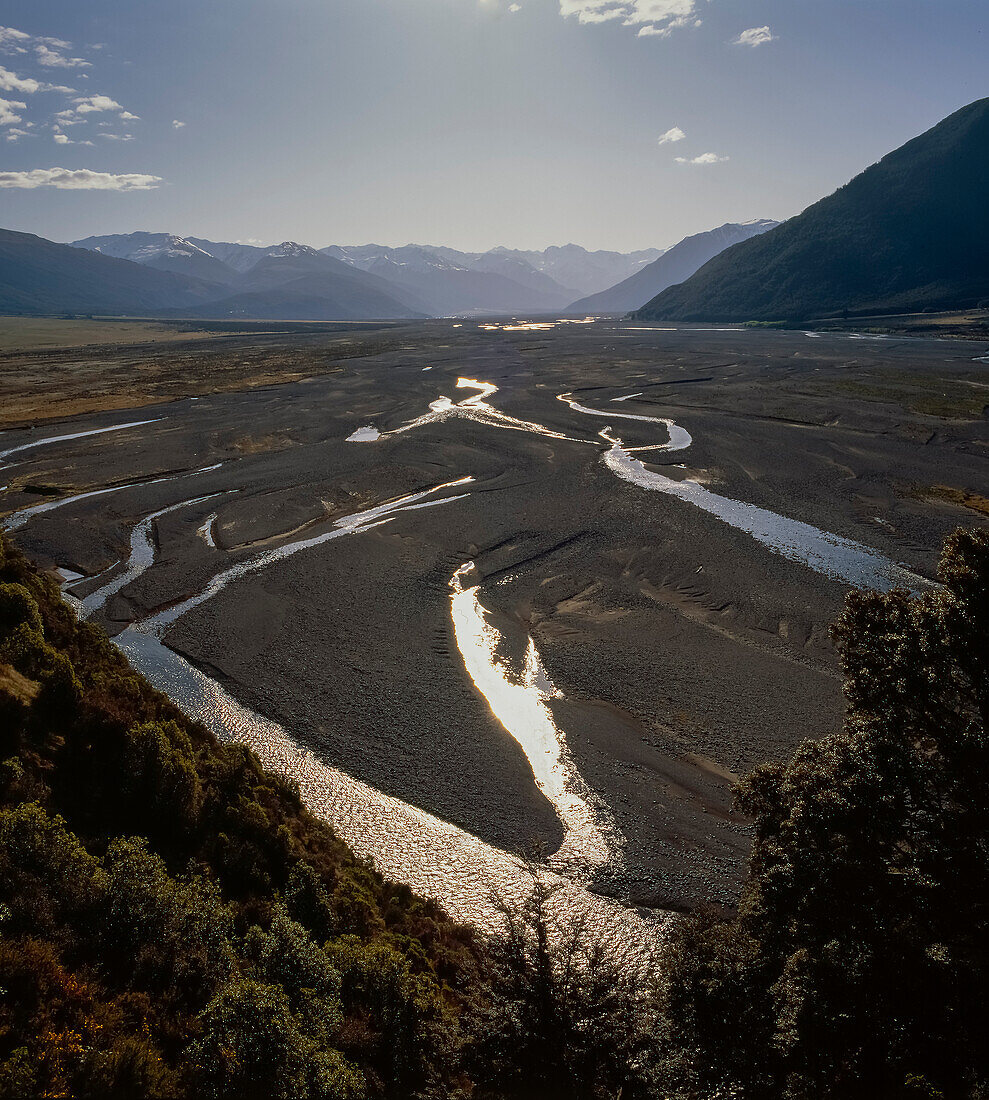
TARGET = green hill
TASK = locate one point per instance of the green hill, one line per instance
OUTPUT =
(910, 233)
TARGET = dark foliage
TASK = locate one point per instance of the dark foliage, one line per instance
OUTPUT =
(858, 961)
(570, 1015)
(174, 923)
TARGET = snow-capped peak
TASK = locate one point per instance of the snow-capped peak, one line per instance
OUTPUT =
(290, 249)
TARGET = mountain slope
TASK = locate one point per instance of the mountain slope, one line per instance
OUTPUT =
(241, 257)
(674, 266)
(909, 233)
(163, 251)
(292, 269)
(38, 276)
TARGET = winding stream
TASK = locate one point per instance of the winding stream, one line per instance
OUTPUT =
(520, 705)
(474, 407)
(75, 435)
(142, 556)
(347, 525)
(471, 879)
(679, 439)
(832, 555)
(18, 519)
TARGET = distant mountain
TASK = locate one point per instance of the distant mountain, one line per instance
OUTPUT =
(570, 265)
(286, 281)
(674, 266)
(302, 270)
(163, 251)
(448, 282)
(294, 281)
(241, 257)
(38, 276)
(909, 233)
(501, 280)
(520, 271)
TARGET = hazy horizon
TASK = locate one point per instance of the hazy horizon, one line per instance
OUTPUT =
(613, 124)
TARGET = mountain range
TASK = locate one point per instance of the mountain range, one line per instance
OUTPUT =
(909, 233)
(165, 273)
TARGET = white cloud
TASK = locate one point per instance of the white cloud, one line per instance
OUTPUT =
(754, 36)
(80, 180)
(11, 82)
(8, 111)
(11, 39)
(63, 139)
(49, 52)
(176, 125)
(652, 17)
(665, 31)
(90, 105)
(15, 134)
(632, 12)
(674, 133)
(514, 7)
(87, 104)
(704, 158)
(52, 59)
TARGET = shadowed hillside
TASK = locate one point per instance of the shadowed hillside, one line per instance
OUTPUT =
(679, 263)
(909, 233)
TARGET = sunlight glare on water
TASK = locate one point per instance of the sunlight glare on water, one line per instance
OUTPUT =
(520, 705)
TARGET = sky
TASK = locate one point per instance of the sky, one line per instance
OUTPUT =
(618, 124)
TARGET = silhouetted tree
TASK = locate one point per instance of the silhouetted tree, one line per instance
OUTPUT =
(569, 1016)
(858, 962)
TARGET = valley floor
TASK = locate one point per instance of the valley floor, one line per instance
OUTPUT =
(683, 650)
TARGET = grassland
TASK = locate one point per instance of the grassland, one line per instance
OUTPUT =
(51, 368)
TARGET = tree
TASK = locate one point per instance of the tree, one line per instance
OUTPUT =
(857, 963)
(252, 1047)
(569, 1016)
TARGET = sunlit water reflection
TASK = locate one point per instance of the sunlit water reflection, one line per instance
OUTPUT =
(74, 435)
(475, 407)
(406, 844)
(520, 705)
(822, 551)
